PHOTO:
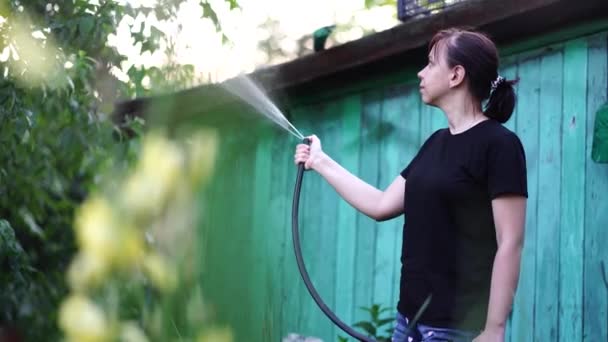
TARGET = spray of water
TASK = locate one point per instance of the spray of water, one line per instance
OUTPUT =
(251, 93)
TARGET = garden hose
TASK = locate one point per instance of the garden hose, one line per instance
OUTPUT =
(298, 252)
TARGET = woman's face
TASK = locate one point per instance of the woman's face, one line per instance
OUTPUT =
(435, 77)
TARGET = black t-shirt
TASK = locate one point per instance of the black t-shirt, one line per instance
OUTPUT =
(449, 237)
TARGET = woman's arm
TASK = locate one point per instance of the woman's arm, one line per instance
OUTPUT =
(377, 204)
(509, 218)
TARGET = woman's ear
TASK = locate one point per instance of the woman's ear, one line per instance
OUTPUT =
(457, 76)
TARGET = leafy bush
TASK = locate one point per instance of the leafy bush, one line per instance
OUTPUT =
(136, 275)
(57, 139)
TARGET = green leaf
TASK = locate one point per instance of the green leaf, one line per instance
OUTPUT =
(9, 246)
(386, 310)
(364, 308)
(31, 223)
(367, 326)
(233, 4)
(149, 45)
(85, 27)
(208, 12)
(385, 321)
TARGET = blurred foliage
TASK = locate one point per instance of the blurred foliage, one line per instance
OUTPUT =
(57, 139)
(376, 3)
(277, 47)
(374, 16)
(136, 276)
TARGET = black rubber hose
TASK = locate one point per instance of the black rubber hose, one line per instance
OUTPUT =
(298, 252)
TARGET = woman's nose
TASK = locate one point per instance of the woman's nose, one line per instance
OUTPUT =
(420, 73)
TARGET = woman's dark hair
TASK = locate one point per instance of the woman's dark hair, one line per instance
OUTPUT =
(478, 55)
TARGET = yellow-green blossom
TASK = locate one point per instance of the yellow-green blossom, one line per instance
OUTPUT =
(155, 176)
(86, 271)
(130, 332)
(104, 239)
(159, 272)
(82, 320)
(96, 230)
(202, 149)
(132, 248)
(216, 335)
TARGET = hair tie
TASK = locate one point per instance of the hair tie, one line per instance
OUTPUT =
(498, 81)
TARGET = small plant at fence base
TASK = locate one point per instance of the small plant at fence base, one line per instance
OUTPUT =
(377, 327)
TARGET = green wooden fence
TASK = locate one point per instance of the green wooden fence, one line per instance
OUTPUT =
(251, 276)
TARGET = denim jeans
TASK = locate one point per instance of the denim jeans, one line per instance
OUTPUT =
(425, 333)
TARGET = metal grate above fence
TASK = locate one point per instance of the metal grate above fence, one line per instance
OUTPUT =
(408, 9)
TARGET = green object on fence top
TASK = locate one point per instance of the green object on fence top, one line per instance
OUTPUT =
(599, 150)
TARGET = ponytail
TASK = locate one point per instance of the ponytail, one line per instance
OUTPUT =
(502, 99)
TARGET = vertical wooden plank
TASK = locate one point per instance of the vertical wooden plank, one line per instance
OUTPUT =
(325, 218)
(573, 191)
(366, 227)
(240, 223)
(348, 157)
(282, 171)
(255, 263)
(296, 299)
(318, 229)
(291, 280)
(272, 220)
(426, 121)
(310, 231)
(214, 272)
(595, 291)
(261, 241)
(548, 228)
(389, 165)
(527, 130)
(408, 135)
(438, 119)
(231, 247)
(510, 72)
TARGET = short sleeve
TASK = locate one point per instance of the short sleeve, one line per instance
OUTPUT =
(428, 141)
(507, 167)
(406, 171)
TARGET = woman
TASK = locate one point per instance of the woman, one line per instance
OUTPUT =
(464, 197)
